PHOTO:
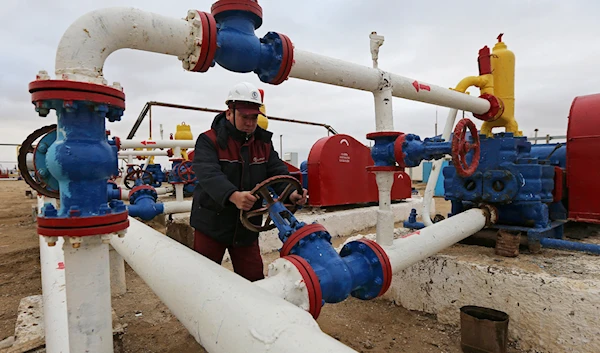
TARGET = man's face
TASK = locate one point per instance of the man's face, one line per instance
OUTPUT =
(244, 123)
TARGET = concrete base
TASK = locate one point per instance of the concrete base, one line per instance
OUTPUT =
(338, 223)
(553, 298)
(30, 336)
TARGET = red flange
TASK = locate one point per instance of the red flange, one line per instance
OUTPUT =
(495, 111)
(315, 295)
(386, 265)
(140, 187)
(298, 235)
(82, 226)
(208, 46)
(378, 134)
(251, 6)
(287, 60)
(398, 153)
(76, 91)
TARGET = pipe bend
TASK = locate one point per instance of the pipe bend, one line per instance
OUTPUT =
(469, 81)
(87, 43)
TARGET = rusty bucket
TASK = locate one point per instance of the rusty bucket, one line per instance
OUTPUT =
(483, 330)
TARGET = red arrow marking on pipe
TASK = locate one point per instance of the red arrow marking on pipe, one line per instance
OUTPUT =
(61, 266)
(148, 143)
(418, 86)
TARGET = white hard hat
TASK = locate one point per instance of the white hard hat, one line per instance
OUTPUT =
(244, 92)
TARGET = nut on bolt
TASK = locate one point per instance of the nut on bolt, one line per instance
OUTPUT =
(51, 241)
(75, 242)
(122, 233)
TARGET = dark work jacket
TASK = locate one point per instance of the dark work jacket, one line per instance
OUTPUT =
(225, 162)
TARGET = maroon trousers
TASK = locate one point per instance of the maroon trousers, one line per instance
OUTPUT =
(246, 261)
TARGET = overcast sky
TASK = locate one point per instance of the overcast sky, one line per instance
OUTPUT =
(555, 43)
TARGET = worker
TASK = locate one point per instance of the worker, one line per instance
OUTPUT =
(229, 160)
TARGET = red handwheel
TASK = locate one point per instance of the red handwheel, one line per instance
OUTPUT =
(461, 147)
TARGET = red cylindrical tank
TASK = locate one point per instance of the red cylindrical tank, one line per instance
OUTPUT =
(583, 146)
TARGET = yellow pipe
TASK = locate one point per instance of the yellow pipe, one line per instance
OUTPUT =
(484, 82)
(503, 70)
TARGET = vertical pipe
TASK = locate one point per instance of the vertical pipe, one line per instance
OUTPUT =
(118, 285)
(179, 192)
(384, 121)
(87, 282)
(54, 296)
(281, 146)
(435, 171)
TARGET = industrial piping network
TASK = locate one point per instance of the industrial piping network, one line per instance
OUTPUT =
(261, 321)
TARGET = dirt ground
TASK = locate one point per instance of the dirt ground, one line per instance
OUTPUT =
(376, 326)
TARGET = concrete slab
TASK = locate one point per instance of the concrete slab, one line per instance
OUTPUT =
(29, 329)
(553, 298)
(338, 223)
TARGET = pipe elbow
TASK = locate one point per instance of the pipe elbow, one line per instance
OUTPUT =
(146, 209)
(469, 81)
(89, 40)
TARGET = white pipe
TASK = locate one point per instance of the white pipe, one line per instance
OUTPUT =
(286, 282)
(87, 43)
(29, 161)
(118, 285)
(385, 216)
(87, 281)
(414, 247)
(224, 312)
(54, 296)
(125, 144)
(164, 189)
(177, 207)
(179, 193)
(320, 68)
(142, 153)
(435, 171)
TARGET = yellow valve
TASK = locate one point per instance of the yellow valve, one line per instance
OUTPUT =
(183, 132)
(263, 122)
(503, 70)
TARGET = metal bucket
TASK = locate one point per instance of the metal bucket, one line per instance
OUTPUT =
(483, 330)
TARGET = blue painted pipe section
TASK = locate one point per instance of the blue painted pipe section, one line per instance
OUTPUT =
(554, 153)
(240, 50)
(143, 203)
(415, 150)
(355, 271)
(113, 192)
(382, 151)
(80, 159)
(570, 245)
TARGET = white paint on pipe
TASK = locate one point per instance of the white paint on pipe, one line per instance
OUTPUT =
(87, 43)
(118, 285)
(179, 192)
(435, 171)
(286, 282)
(385, 216)
(419, 245)
(177, 207)
(87, 282)
(216, 304)
(125, 144)
(323, 69)
(164, 189)
(142, 153)
(54, 294)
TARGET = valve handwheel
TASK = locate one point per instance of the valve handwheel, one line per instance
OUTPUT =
(186, 172)
(461, 147)
(136, 174)
(27, 147)
(262, 192)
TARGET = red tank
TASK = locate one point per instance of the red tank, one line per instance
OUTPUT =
(583, 151)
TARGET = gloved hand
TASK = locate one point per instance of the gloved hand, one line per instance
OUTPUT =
(298, 199)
